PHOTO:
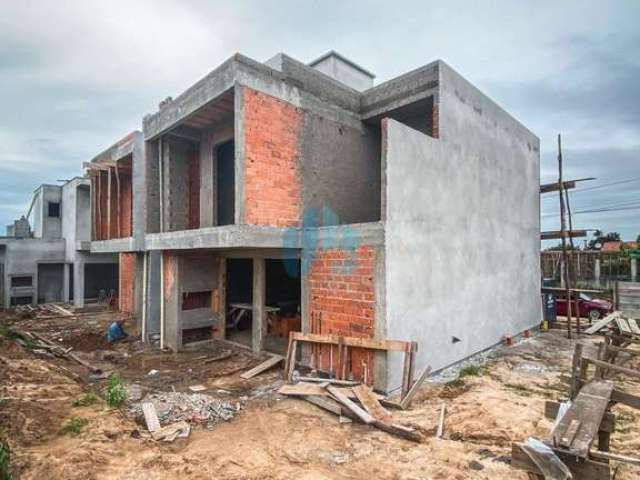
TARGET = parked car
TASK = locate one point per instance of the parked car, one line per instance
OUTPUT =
(593, 308)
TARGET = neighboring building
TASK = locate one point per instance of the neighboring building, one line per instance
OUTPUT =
(51, 262)
(280, 191)
(618, 246)
(118, 214)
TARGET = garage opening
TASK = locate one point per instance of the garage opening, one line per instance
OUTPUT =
(283, 293)
(50, 282)
(239, 300)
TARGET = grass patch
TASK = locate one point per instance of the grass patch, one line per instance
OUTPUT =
(5, 461)
(116, 393)
(5, 332)
(74, 426)
(87, 399)
(470, 371)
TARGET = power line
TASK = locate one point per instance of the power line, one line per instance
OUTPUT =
(597, 187)
(598, 210)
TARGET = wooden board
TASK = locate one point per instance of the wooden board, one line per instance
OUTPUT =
(623, 326)
(608, 420)
(372, 343)
(326, 403)
(371, 404)
(150, 417)
(633, 325)
(440, 430)
(263, 367)
(588, 408)
(406, 400)
(580, 469)
(303, 389)
(600, 324)
(355, 409)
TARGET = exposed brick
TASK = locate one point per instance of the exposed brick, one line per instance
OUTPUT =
(127, 282)
(194, 190)
(273, 193)
(342, 290)
(126, 205)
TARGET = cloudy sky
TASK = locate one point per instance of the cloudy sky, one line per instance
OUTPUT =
(77, 75)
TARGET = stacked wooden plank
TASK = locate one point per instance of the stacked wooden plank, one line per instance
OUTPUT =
(44, 311)
(359, 403)
(588, 415)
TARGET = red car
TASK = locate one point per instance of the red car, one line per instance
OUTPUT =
(593, 308)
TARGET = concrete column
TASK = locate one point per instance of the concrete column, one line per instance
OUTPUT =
(259, 297)
(65, 282)
(634, 269)
(561, 273)
(596, 271)
(78, 283)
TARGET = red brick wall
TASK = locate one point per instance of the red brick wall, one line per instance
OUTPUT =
(127, 282)
(342, 293)
(126, 204)
(273, 193)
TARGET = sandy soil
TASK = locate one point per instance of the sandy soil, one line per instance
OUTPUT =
(280, 438)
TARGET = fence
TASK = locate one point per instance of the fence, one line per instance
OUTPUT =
(590, 269)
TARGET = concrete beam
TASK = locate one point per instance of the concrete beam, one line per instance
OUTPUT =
(115, 245)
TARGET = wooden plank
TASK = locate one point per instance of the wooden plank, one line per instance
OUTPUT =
(371, 343)
(440, 430)
(406, 400)
(303, 389)
(355, 409)
(588, 408)
(614, 367)
(580, 469)
(332, 381)
(559, 234)
(371, 404)
(599, 455)
(264, 366)
(570, 433)
(150, 417)
(291, 358)
(608, 420)
(326, 403)
(600, 324)
(633, 325)
(623, 326)
(554, 187)
(617, 396)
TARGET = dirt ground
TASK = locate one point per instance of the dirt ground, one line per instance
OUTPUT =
(274, 437)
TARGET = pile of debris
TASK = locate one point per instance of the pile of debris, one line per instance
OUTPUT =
(195, 408)
(353, 401)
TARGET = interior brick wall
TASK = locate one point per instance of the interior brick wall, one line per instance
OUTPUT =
(126, 205)
(273, 192)
(127, 282)
(342, 295)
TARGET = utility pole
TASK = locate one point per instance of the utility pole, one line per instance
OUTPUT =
(563, 233)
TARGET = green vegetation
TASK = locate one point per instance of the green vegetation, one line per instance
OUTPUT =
(5, 461)
(116, 393)
(74, 426)
(5, 332)
(470, 371)
(87, 399)
(455, 383)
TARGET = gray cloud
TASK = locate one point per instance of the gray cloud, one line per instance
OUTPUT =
(76, 76)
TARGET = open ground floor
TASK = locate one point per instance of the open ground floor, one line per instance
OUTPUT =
(55, 418)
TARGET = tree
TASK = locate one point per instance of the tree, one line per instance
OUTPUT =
(599, 238)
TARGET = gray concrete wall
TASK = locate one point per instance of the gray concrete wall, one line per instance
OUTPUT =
(340, 168)
(22, 257)
(462, 229)
(51, 226)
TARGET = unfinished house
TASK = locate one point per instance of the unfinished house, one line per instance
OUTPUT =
(284, 196)
(117, 177)
(45, 256)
